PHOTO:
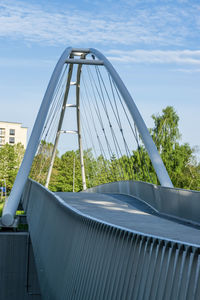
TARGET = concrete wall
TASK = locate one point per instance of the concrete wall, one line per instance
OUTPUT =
(20, 135)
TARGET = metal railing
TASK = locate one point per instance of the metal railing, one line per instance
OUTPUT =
(79, 257)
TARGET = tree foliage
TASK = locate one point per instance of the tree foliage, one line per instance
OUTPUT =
(179, 159)
(41, 162)
(10, 160)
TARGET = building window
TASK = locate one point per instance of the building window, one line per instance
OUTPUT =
(2, 131)
(11, 140)
(2, 141)
(12, 131)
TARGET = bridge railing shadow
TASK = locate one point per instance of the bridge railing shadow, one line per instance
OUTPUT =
(173, 202)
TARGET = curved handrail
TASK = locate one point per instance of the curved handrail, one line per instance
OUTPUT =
(90, 258)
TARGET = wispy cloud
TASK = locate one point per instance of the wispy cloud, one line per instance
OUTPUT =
(179, 57)
(159, 25)
(187, 70)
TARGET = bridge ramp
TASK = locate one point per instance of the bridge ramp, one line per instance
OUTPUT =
(131, 213)
(84, 257)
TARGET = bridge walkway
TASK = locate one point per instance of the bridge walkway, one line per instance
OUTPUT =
(131, 213)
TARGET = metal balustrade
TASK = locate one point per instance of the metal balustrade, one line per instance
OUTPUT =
(79, 257)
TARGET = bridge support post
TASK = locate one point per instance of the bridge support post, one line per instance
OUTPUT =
(59, 125)
(79, 127)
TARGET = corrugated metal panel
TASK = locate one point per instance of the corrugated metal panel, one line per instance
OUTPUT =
(79, 257)
(15, 277)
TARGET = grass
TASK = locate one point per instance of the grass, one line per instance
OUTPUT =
(18, 212)
(21, 227)
(1, 207)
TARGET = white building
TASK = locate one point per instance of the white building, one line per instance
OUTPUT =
(12, 133)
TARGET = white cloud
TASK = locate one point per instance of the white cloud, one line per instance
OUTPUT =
(181, 57)
(188, 70)
(148, 26)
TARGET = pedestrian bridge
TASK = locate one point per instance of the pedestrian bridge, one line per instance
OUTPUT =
(112, 245)
(125, 239)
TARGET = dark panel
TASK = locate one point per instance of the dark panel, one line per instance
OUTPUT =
(15, 257)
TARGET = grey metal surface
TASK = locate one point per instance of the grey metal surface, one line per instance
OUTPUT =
(18, 277)
(131, 213)
(182, 204)
(84, 62)
(80, 257)
(80, 50)
(78, 78)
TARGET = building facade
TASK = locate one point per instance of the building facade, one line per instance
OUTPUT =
(12, 133)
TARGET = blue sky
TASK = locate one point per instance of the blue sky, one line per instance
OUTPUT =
(154, 45)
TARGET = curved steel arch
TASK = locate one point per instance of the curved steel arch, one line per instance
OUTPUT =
(139, 122)
(14, 198)
(12, 202)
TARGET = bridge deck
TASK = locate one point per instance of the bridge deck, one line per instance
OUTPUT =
(129, 212)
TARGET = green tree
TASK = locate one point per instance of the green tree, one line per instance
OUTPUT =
(179, 159)
(176, 157)
(10, 159)
(41, 162)
(142, 167)
(91, 169)
(62, 175)
(102, 170)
